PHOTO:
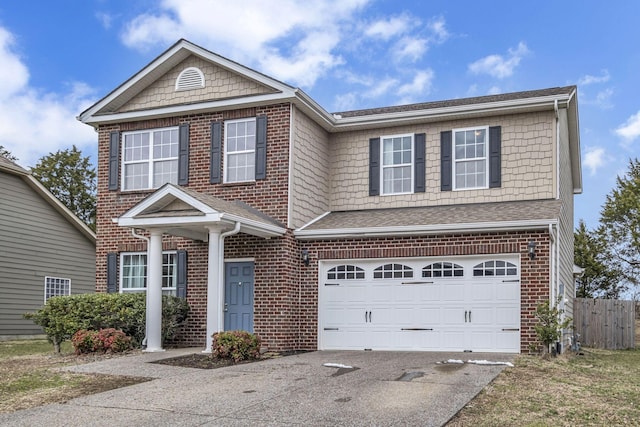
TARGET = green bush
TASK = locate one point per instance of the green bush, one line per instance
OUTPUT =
(549, 327)
(61, 317)
(108, 340)
(236, 345)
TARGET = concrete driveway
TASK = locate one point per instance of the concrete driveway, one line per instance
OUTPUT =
(384, 388)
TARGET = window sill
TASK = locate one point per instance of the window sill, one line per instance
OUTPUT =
(238, 184)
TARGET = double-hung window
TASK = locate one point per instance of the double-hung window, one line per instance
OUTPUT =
(133, 274)
(56, 287)
(397, 164)
(150, 158)
(471, 162)
(240, 150)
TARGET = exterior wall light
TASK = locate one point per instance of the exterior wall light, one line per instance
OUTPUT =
(305, 257)
(531, 247)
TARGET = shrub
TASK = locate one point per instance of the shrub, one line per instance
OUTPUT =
(61, 317)
(549, 327)
(108, 340)
(236, 345)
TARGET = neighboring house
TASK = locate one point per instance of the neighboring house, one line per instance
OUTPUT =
(434, 226)
(45, 250)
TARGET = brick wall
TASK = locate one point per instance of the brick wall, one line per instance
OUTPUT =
(534, 283)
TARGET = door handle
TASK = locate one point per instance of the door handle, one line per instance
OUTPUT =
(465, 316)
(365, 317)
(369, 317)
(226, 307)
(469, 316)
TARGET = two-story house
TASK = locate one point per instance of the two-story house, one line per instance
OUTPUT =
(433, 226)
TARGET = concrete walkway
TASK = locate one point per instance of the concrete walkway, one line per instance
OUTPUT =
(384, 388)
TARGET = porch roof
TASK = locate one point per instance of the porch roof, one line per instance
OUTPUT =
(461, 218)
(184, 212)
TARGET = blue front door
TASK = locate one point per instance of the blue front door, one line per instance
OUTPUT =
(238, 296)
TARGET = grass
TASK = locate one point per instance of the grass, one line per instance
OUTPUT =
(598, 387)
(29, 378)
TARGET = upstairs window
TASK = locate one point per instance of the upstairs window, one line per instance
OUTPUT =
(470, 158)
(397, 164)
(240, 150)
(150, 158)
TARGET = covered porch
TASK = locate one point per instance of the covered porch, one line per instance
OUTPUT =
(182, 212)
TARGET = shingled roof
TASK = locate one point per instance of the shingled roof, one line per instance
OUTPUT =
(435, 219)
(566, 90)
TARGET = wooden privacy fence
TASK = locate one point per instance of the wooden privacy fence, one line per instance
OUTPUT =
(604, 323)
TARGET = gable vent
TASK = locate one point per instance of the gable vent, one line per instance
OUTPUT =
(190, 78)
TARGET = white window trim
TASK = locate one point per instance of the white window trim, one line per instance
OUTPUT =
(47, 278)
(150, 160)
(382, 166)
(455, 160)
(135, 290)
(226, 152)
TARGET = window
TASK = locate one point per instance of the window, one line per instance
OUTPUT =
(397, 164)
(443, 269)
(470, 158)
(348, 272)
(150, 158)
(495, 268)
(133, 273)
(240, 150)
(393, 271)
(56, 287)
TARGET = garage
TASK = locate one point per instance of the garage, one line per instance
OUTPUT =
(420, 304)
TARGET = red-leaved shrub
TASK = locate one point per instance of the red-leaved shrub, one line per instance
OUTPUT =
(108, 340)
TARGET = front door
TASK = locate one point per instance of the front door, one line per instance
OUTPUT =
(238, 296)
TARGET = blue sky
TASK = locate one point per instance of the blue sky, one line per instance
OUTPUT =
(59, 57)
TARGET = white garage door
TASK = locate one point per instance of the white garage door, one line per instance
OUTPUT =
(453, 304)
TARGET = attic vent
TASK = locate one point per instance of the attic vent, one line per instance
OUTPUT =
(190, 78)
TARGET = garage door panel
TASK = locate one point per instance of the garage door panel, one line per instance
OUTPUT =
(445, 312)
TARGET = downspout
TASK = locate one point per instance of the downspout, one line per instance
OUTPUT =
(146, 320)
(235, 230)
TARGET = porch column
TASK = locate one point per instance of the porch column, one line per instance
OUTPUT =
(215, 289)
(154, 292)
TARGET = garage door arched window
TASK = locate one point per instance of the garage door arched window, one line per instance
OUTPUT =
(443, 269)
(393, 271)
(345, 272)
(495, 268)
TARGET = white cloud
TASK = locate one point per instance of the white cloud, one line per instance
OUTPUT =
(380, 88)
(410, 48)
(105, 19)
(418, 87)
(439, 30)
(250, 33)
(593, 159)
(630, 130)
(345, 102)
(387, 28)
(34, 123)
(589, 79)
(494, 90)
(498, 66)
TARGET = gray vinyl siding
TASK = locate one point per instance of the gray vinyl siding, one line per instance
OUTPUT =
(36, 241)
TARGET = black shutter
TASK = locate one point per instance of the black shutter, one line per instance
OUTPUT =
(420, 163)
(216, 153)
(495, 144)
(446, 161)
(181, 285)
(114, 157)
(183, 154)
(374, 167)
(112, 273)
(261, 147)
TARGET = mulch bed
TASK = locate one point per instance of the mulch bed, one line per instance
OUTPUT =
(206, 361)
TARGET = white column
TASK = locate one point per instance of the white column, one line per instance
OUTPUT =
(154, 292)
(215, 289)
